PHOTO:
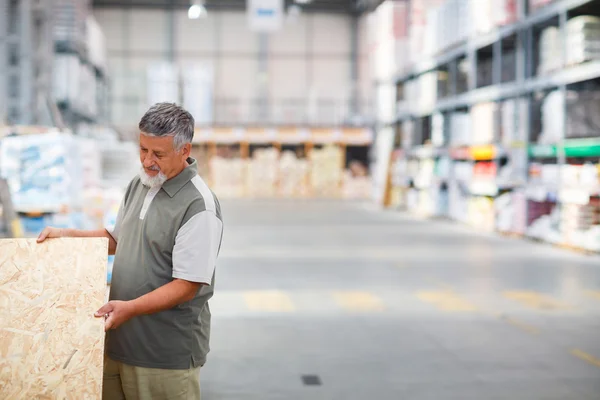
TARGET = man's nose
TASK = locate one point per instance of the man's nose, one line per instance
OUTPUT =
(148, 162)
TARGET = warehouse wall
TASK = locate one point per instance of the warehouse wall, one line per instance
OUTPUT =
(307, 64)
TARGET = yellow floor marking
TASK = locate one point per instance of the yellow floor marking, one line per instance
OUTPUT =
(269, 301)
(594, 294)
(521, 325)
(535, 300)
(586, 357)
(446, 300)
(358, 301)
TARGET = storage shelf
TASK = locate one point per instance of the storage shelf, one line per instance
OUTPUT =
(543, 14)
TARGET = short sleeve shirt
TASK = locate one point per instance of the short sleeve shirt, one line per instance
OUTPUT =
(165, 233)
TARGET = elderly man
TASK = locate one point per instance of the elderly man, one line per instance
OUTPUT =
(166, 241)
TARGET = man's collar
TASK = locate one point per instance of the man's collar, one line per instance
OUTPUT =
(173, 185)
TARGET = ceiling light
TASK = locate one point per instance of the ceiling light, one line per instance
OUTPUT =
(303, 1)
(196, 11)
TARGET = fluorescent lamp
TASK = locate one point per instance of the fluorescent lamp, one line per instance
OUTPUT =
(303, 1)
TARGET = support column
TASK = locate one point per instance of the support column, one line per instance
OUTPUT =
(263, 78)
(354, 71)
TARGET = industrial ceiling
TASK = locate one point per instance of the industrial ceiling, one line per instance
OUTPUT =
(352, 7)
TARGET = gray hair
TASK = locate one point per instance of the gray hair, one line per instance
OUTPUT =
(169, 119)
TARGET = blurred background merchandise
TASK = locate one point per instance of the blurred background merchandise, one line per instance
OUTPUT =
(481, 111)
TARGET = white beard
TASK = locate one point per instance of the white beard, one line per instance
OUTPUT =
(152, 181)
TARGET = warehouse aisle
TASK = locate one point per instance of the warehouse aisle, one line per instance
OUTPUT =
(329, 300)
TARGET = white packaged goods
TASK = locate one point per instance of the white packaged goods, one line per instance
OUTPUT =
(43, 171)
(536, 4)
(514, 124)
(504, 12)
(458, 202)
(460, 129)
(91, 162)
(550, 50)
(96, 43)
(427, 89)
(481, 213)
(552, 118)
(482, 14)
(511, 210)
(67, 79)
(482, 123)
(583, 39)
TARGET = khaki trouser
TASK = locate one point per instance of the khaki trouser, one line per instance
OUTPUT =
(126, 382)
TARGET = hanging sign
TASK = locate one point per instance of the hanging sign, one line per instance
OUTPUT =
(265, 15)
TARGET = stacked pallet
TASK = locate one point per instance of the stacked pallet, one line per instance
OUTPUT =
(293, 176)
(262, 173)
(326, 171)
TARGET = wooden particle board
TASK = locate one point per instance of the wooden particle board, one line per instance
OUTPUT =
(51, 345)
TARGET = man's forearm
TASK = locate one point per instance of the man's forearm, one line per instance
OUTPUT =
(165, 297)
(112, 244)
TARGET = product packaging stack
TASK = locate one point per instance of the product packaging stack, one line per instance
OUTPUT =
(42, 171)
(228, 176)
(535, 5)
(552, 118)
(543, 221)
(481, 213)
(583, 118)
(356, 187)
(293, 176)
(427, 91)
(460, 129)
(66, 77)
(419, 27)
(96, 43)
(326, 172)
(514, 122)
(583, 39)
(576, 220)
(482, 123)
(550, 47)
(458, 202)
(511, 210)
(482, 15)
(504, 12)
(262, 173)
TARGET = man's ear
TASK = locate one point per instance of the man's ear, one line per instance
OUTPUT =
(187, 150)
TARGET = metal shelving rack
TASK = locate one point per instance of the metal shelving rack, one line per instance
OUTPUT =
(26, 60)
(521, 37)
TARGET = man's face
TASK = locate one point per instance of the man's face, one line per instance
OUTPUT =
(157, 155)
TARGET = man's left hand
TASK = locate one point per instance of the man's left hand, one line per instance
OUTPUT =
(116, 313)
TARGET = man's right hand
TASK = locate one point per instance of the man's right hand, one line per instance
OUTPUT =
(50, 232)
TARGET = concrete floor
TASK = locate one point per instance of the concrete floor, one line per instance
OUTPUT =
(383, 306)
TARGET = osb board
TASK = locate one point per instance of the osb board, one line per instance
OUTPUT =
(51, 345)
